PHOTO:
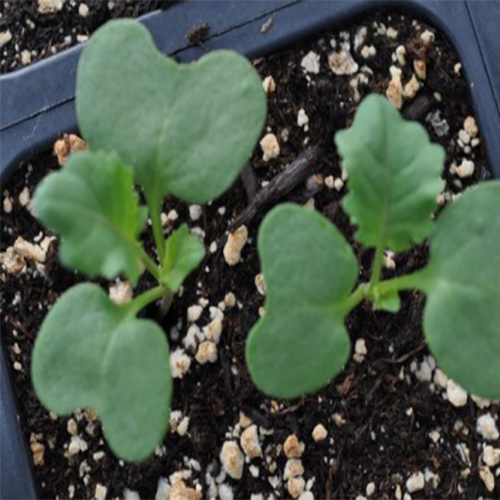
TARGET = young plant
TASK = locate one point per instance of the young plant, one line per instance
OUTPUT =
(183, 130)
(310, 270)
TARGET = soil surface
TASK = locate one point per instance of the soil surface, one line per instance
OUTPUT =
(388, 415)
(37, 33)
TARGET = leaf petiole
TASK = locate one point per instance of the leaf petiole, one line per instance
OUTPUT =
(378, 262)
(155, 214)
(417, 280)
(149, 264)
(354, 299)
(141, 301)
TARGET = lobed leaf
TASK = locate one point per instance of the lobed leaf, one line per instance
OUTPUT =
(183, 254)
(310, 270)
(393, 176)
(185, 129)
(462, 283)
(92, 205)
(91, 353)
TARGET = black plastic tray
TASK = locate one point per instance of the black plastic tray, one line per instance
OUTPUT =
(37, 105)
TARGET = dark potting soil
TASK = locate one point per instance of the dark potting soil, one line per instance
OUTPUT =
(392, 416)
(42, 34)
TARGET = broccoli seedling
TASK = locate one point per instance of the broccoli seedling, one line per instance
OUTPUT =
(172, 129)
(311, 272)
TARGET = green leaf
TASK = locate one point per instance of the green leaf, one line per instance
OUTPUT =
(388, 302)
(301, 342)
(185, 129)
(393, 176)
(91, 353)
(183, 254)
(462, 313)
(92, 205)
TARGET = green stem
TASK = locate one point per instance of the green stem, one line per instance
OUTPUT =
(155, 214)
(415, 281)
(378, 262)
(141, 301)
(354, 299)
(149, 264)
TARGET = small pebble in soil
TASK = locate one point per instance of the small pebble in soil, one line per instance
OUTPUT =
(50, 6)
(338, 184)
(470, 126)
(180, 491)
(435, 436)
(7, 203)
(195, 212)
(72, 427)
(440, 378)
(368, 51)
(29, 251)
(120, 292)
(130, 495)
(292, 447)
(415, 482)
(234, 245)
(179, 363)
(411, 88)
(487, 427)
(68, 144)
(232, 459)
(12, 262)
(310, 63)
(394, 92)
(244, 421)
(162, 489)
(38, 452)
(260, 284)
(360, 350)
(24, 197)
(295, 486)
(293, 468)
(319, 433)
(428, 37)
(370, 489)
(194, 313)
(338, 419)
(230, 300)
(464, 170)
(206, 353)
(456, 395)
(213, 330)
(269, 85)
(249, 442)
(491, 456)
(488, 478)
(100, 492)
(341, 62)
(401, 55)
(83, 10)
(270, 147)
(183, 426)
(389, 262)
(303, 119)
(5, 38)
(420, 68)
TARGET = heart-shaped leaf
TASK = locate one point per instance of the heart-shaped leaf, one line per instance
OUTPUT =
(91, 353)
(301, 342)
(92, 205)
(183, 254)
(185, 129)
(462, 313)
(393, 176)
